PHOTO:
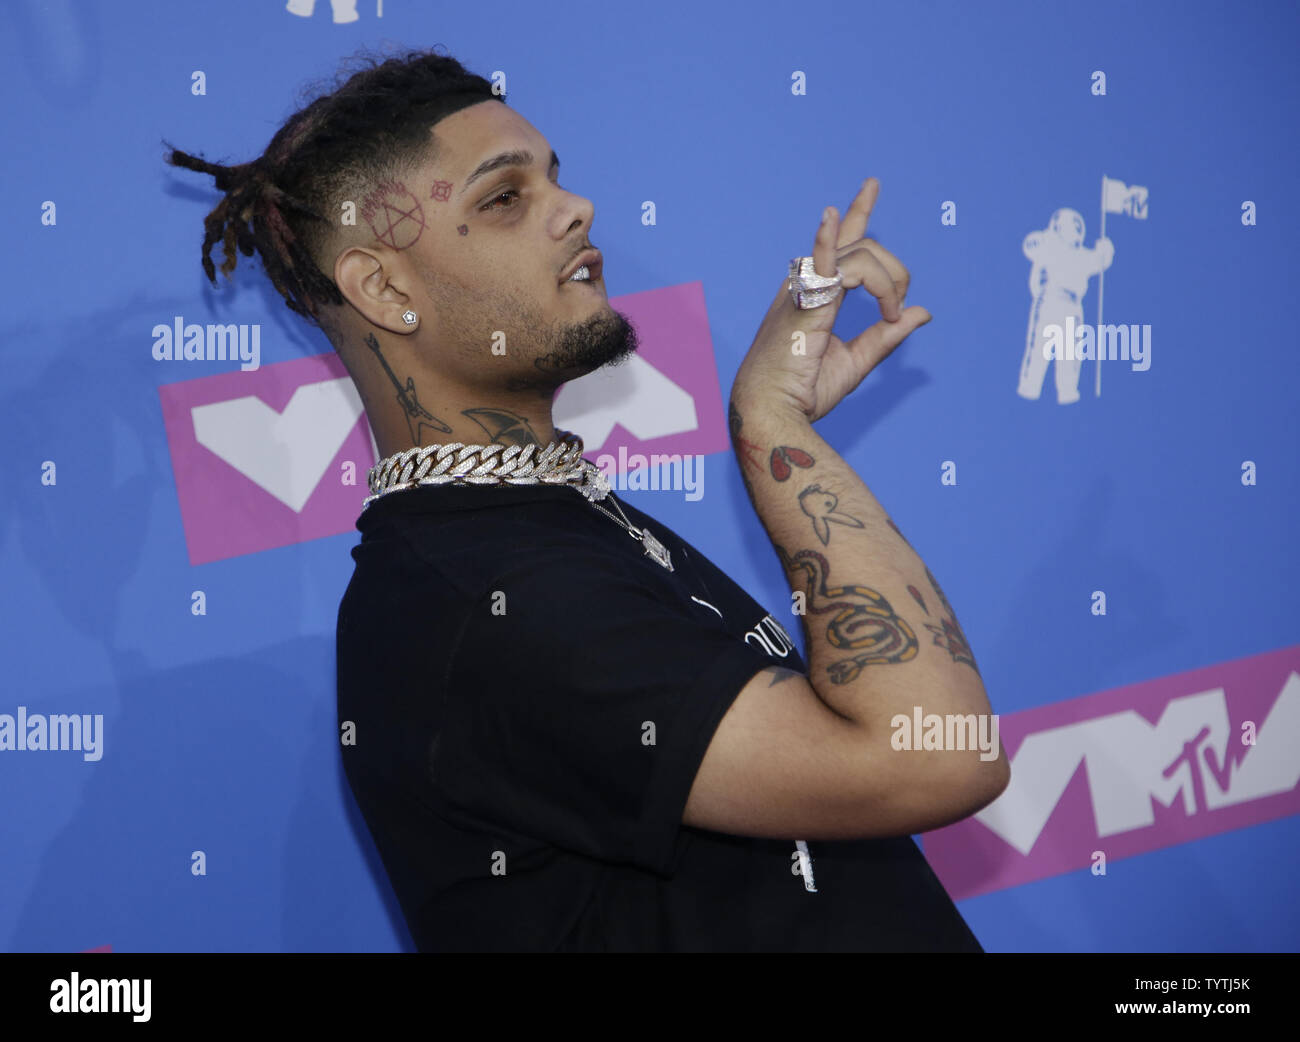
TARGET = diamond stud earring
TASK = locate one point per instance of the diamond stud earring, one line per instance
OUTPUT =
(409, 317)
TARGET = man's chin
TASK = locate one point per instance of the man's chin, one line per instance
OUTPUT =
(622, 343)
(615, 352)
(606, 338)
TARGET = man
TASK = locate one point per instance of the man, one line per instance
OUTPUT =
(553, 722)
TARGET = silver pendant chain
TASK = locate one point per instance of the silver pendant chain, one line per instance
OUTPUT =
(559, 463)
(654, 549)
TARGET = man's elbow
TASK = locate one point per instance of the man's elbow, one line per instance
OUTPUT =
(970, 790)
(985, 782)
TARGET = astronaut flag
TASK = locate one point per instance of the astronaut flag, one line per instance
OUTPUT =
(1116, 197)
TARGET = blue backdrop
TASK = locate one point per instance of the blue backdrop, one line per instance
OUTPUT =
(989, 126)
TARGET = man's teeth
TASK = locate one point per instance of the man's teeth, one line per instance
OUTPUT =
(579, 275)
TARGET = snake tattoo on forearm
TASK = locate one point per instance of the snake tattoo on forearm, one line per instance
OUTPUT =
(863, 621)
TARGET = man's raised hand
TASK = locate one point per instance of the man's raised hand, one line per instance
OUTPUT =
(813, 373)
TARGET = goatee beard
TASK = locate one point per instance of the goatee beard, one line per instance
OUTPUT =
(604, 339)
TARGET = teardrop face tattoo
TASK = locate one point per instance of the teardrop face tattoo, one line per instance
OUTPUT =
(463, 229)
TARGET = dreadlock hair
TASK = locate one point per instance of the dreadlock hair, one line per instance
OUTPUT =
(371, 129)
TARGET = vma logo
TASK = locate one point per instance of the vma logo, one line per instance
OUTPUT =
(267, 458)
(279, 455)
(1132, 770)
(666, 397)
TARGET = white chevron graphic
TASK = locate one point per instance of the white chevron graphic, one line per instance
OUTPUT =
(285, 453)
(1125, 756)
(633, 394)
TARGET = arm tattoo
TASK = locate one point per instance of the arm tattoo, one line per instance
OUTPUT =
(916, 596)
(394, 215)
(863, 621)
(503, 428)
(785, 455)
(900, 535)
(948, 634)
(417, 416)
(744, 449)
(821, 507)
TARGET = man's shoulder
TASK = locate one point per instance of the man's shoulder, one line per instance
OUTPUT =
(468, 551)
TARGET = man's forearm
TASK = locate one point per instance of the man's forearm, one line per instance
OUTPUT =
(881, 637)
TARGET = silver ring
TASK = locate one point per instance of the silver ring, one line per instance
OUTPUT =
(808, 289)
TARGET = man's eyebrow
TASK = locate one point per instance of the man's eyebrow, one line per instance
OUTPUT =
(516, 158)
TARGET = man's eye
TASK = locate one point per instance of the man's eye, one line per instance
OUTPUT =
(489, 205)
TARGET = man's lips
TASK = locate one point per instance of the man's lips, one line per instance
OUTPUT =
(591, 258)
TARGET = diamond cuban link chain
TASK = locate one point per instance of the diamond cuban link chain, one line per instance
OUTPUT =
(559, 463)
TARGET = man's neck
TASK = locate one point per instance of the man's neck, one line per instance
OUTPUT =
(412, 409)
(509, 424)
(403, 422)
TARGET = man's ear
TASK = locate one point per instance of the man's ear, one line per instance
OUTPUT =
(367, 280)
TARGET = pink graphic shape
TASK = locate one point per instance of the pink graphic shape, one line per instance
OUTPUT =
(672, 327)
(226, 514)
(971, 859)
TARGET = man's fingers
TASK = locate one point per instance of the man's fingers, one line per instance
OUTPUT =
(861, 265)
(891, 263)
(875, 342)
(839, 245)
(824, 246)
(855, 221)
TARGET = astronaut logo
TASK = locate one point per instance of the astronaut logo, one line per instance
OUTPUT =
(344, 10)
(1058, 280)
(1061, 267)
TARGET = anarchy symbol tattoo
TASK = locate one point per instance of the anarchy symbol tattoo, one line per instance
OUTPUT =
(394, 215)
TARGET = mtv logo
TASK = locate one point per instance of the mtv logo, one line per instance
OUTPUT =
(1136, 204)
(260, 457)
(1131, 770)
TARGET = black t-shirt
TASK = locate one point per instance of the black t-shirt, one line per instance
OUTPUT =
(530, 697)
